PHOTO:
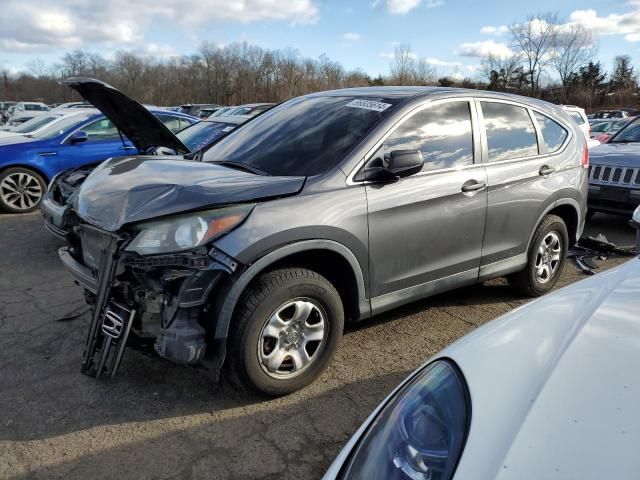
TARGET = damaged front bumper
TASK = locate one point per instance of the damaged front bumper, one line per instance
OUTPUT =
(159, 300)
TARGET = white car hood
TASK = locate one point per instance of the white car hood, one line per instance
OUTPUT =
(5, 134)
(555, 387)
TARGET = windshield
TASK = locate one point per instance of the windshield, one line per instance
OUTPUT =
(35, 107)
(201, 134)
(60, 126)
(628, 134)
(305, 136)
(34, 124)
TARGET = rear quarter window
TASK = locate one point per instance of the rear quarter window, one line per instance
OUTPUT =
(553, 134)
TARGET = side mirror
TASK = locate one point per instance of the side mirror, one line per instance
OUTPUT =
(401, 163)
(78, 137)
(635, 222)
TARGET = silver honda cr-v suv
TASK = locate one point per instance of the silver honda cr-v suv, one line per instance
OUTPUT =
(330, 207)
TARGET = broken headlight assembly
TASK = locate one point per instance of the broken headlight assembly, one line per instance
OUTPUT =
(420, 433)
(184, 232)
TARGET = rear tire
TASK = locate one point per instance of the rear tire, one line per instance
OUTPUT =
(546, 258)
(286, 328)
(21, 190)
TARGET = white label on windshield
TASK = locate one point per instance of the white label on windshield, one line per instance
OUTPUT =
(227, 129)
(368, 105)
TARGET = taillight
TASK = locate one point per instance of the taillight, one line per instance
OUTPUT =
(585, 156)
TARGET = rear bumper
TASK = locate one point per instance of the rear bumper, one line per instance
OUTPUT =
(613, 199)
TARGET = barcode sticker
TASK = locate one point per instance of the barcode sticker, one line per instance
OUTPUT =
(368, 105)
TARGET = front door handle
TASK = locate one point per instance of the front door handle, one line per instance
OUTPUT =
(472, 186)
(546, 170)
(128, 147)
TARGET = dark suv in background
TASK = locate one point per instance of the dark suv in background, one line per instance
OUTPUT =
(331, 207)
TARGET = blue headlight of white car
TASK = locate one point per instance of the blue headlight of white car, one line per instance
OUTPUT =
(420, 433)
(184, 232)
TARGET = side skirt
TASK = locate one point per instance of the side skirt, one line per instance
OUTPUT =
(392, 300)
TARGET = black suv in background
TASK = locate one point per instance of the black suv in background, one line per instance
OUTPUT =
(331, 207)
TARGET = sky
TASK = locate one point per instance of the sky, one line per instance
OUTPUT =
(451, 34)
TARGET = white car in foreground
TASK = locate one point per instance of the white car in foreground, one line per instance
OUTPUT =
(549, 391)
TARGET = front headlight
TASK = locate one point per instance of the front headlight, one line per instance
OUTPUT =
(183, 232)
(420, 433)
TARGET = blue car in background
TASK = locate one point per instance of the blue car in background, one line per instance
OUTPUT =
(146, 132)
(28, 163)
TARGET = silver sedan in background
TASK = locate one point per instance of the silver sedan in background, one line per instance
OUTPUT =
(549, 390)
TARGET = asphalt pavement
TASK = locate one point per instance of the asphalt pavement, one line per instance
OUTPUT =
(157, 420)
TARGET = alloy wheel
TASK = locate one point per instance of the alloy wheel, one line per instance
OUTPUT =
(548, 257)
(20, 191)
(292, 338)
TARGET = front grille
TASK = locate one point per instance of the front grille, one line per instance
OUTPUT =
(599, 175)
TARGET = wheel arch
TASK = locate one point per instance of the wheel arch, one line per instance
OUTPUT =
(329, 258)
(568, 210)
(26, 166)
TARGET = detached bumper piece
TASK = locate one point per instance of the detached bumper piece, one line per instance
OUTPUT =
(110, 322)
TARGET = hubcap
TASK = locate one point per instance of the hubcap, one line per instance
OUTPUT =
(20, 191)
(548, 257)
(292, 338)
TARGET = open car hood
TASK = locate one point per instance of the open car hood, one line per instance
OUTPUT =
(135, 122)
(130, 189)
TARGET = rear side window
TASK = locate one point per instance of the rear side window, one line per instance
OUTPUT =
(510, 131)
(442, 133)
(576, 117)
(553, 134)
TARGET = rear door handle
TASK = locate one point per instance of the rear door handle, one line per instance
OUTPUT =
(546, 170)
(473, 186)
(128, 147)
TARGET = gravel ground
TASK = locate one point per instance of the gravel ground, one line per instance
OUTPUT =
(156, 420)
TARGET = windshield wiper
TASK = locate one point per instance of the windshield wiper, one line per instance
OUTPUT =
(241, 166)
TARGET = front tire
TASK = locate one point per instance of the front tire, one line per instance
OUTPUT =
(545, 260)
(21, 190)
(287, 327)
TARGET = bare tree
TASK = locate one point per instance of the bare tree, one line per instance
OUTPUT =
(503, 73)
(534, 41)
(574, 47)
(423, 72)
(402, 65)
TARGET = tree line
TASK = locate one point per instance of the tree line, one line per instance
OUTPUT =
(229, 75)
(548, 59)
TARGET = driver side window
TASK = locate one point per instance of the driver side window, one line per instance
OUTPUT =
(442, 133)
(101, 129)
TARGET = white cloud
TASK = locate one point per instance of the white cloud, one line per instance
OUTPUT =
(41, 24)
(627, 24)
(441, 63)
(400, 7)
(483, 49)
(162, 51)
(490, 30)
(351, 36)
